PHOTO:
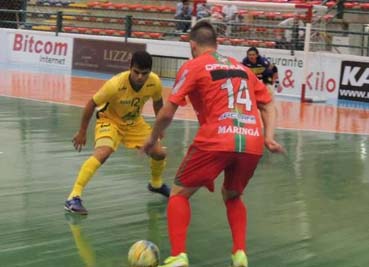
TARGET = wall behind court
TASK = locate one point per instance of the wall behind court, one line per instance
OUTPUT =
(329, 76)
(37, 49)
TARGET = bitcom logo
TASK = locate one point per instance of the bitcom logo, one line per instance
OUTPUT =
(46, 49)
(39, 45)
(354, 82)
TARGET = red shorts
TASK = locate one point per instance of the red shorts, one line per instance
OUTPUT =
(201, 168)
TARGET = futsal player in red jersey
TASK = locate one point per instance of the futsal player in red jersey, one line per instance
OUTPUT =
(227, 98)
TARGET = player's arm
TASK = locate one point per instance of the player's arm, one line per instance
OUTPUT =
(79, 138)
(157, 105)
(103, 95)
(163, 120)
(267, 112)
(268, 71)
(268, 115)
(157, 98)
(265, 104)
(183, 85)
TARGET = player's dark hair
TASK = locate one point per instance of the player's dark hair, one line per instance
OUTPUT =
(142, 60)
(274, 69)
(204, 34)
(253, 49)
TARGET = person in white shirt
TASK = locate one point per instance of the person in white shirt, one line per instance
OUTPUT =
(294, 34)
(230, 12)
(203, 11)
(183, 12)
(230, 15)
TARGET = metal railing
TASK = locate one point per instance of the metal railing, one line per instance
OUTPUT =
(128, 26)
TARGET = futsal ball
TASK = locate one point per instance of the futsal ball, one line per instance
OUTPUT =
(143, 253)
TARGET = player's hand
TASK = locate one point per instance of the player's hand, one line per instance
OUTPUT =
(148, 146)
(274, 147)
(79, 140)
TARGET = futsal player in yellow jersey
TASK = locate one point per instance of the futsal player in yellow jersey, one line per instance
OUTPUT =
(119, 121)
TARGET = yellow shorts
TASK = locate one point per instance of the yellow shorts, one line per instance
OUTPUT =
(108, 133)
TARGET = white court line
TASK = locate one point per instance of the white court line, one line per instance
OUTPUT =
(184, 119)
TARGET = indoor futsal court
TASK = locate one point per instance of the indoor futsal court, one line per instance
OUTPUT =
(308, 209)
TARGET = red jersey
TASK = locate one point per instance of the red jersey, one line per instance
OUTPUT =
(224, 94)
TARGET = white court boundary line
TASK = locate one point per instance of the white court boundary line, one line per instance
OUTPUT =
(182, 119)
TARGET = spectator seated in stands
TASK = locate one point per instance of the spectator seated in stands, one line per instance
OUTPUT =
(203, 11)
(230, 16)
(230, 13)
(216, 14)
(293, 37)
(184, 13)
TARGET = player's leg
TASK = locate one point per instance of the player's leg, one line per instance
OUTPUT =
(237, 176)
(157, 165)
(178, 216)
(134, 137)
(89, 167)
(198, 168)
(106, 142)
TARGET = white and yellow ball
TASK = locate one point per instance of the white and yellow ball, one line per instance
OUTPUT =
(143, 253)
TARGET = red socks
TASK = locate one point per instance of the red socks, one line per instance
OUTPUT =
(179, 215)
(237, 219)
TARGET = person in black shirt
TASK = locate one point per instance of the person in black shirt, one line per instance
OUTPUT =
(262, 68)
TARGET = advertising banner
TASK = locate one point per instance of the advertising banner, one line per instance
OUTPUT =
(322, 76)
(3, 41)
(354, 81)
(103, 56)
(41, 50)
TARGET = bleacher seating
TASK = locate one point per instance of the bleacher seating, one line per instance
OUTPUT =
(257, 27)
(96, 17)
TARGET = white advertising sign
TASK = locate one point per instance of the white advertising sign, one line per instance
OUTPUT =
(322, 75)
(43, 50)
(2, 46)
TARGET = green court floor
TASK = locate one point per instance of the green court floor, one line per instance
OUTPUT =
(308, 210)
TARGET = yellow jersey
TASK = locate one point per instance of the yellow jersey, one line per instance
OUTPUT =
(119, 102)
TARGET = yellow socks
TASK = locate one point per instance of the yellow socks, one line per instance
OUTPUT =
(90, 166)
(157, 168)
(87, 170)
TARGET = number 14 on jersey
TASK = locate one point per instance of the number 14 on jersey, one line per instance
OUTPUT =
(243, 95)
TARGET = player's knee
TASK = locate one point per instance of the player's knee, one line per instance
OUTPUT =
(186, 192)
(158, 154)
(229, 194)
(103, 153)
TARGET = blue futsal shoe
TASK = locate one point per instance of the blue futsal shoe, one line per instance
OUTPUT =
(74, 205)
(164, 189)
